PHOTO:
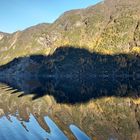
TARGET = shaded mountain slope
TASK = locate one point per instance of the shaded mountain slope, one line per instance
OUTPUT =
(72, 75)
(70, 61)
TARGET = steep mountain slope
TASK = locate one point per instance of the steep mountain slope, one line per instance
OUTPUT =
(110, 27)
(2, 35)
(22, 43)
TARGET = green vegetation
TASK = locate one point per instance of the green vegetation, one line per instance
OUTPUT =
(101, 28)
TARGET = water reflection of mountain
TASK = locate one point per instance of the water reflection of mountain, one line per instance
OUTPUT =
(71, 91)
(104, 118)
(97, 93)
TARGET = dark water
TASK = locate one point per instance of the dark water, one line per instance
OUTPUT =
(40, 108)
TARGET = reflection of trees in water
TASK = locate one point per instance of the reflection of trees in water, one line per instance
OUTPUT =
(103, 118)
(72, 91)
(64, 85)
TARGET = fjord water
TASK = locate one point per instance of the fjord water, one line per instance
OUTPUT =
(37, 108)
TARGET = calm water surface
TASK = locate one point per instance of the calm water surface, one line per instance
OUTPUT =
(40, 108)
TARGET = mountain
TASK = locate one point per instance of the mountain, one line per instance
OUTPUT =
(110, 27)
(2, 35)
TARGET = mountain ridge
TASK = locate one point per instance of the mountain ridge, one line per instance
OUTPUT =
(109, 27)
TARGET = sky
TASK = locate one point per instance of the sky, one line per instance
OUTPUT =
(20, 14)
